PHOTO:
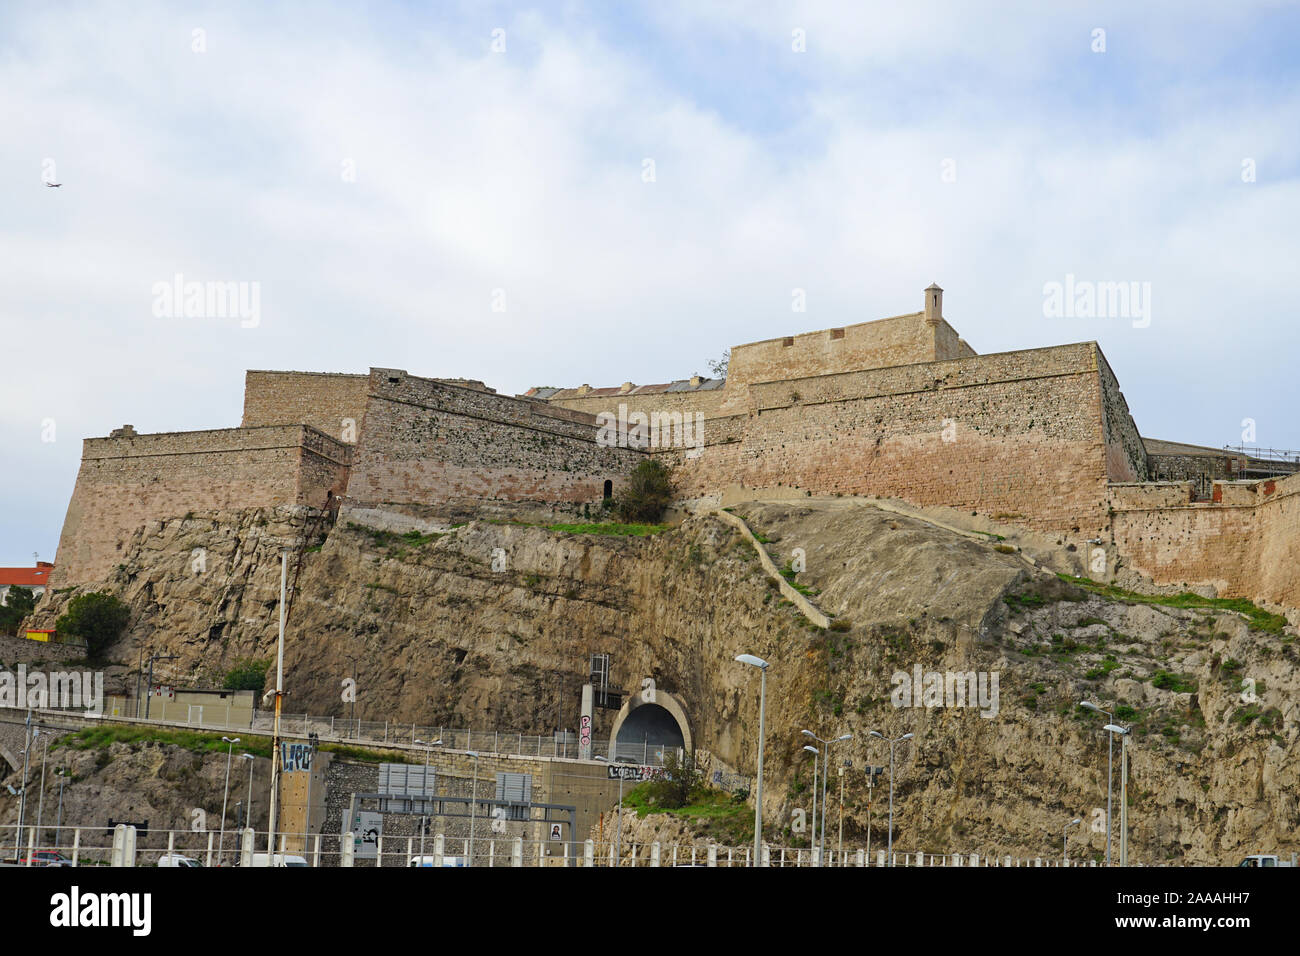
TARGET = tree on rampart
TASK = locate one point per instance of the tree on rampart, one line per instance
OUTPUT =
(648, 493)
(98, 619)
(20, 604)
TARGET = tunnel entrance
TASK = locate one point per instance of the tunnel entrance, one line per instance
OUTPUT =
(648, 726)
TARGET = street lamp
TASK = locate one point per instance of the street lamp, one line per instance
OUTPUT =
(1065, 856)
(248, 805)
(1123, 789)
(618, 826)
(62, 775)
(895, 740)
(762, 666)
(816, 762)
(29, 737)
(221, 843)
(848, 765)
(1110, 776)
(473, 801)
(424, 788)
(825, 775)
(40, 803)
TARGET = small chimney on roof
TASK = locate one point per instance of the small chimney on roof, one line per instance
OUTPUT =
(625, 388)
(584, 388)
(933, 304)
(696, 381)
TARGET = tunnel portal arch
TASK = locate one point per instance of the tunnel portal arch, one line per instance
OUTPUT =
(648, 720)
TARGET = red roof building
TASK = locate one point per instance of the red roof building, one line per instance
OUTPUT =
(35, 578)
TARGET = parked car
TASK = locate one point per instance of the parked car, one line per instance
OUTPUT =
(281, 859)
(446, 861)
(1266, 859)
(176, 859)
(46, 858)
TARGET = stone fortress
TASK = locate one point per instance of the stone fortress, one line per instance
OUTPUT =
(899, 408)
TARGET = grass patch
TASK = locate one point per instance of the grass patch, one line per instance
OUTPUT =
(1257, 618)
(610, 528)
(712, 813)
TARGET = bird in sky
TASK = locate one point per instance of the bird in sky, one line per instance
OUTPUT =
(54, 185)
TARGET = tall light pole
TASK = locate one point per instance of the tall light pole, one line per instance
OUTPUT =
(424, 787)
(1065, 841)
(618, 825)
(895, 740)
(825, 775)
(848, 764)
(149, 690)
(248, 804)
(816, 762)
(40, 802)
(221, 842)
(28, 738)
(762, 666)
(59, 826)
(1110, 776)
(1123, 789)
(473, 802)
(275, 729)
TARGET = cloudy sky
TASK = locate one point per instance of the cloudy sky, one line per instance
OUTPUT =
(559, 193)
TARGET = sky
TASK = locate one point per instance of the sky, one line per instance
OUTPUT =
(567, 193)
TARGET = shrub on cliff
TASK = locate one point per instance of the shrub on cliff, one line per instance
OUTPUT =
(247, 675)
(20, 604)
(98, 619)
(648, 493)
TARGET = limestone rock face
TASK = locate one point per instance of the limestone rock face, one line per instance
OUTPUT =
(490, 626)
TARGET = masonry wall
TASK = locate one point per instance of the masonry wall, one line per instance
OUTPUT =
(1245, 541)
(129, 481)
(1126, 456)
(707, 403)
(327, 401)
(1017, 436)
(428, 442)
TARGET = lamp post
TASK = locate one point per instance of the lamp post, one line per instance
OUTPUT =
(816, 762)
(221, 842)
(895, 740)
(248, 805)
(847, 765)
(424, 787)
(618, 825)
(473, 803)
(149, 690)
(762, 666)
(40, 802)
(1110, 776)
(1123, 789)
(313, 739)
(825, 775)
(1065, 841)
(62, 775)
(28, 737)
(275, 727)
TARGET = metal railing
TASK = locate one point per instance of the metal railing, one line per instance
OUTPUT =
(126, 846)
(562, 744)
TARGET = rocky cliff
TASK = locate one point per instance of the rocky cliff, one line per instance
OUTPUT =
(435, 635)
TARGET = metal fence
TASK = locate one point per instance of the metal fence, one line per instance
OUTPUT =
(126, 846)
(562, 744)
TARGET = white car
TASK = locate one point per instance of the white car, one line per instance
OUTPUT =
(281, 859)
(176, 859)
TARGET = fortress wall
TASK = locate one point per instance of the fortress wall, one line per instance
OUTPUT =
(1245, 542)
(1017, 434)
(1126, 456)
(326, 401)
(948, 344)
(427, 442)
(707, 403)
(126, 482)
(902, 340)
